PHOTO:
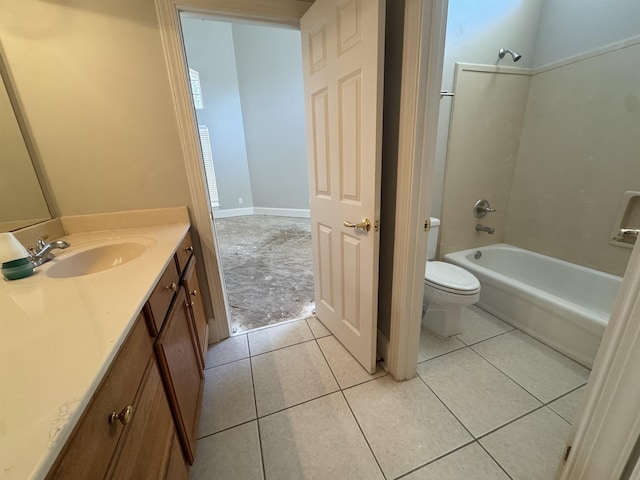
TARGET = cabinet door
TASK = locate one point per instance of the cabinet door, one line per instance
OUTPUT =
(146, 448)
(177, 468)
(194, 292)
(89, 450)
(180, 366)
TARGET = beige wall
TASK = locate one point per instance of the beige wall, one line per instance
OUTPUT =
(483, 145)
(579, 152)
(94, 86)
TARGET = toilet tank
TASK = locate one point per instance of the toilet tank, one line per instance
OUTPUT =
(432, 239)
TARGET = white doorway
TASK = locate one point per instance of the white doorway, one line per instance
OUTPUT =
(246, 82)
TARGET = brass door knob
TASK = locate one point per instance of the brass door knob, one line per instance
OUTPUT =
(365, 225)
(124, 416)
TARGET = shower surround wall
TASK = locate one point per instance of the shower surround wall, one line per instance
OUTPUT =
(483, 148)
(576, 155)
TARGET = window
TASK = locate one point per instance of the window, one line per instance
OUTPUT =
(207, 156)
(194, 77)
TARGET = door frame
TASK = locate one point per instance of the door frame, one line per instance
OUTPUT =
(170, 28)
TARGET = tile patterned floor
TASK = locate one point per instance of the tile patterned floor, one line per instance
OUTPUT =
(289, 402)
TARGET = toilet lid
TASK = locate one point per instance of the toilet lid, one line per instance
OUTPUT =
(446, 276)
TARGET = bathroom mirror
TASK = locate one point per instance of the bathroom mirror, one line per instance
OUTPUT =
(22, 201)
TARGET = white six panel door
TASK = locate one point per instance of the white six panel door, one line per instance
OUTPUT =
(343, 61)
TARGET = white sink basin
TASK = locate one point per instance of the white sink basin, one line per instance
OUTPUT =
(97, 258)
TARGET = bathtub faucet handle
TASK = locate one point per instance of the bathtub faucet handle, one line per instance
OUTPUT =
(481, 208)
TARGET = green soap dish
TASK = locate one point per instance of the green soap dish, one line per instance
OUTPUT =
(16, 269)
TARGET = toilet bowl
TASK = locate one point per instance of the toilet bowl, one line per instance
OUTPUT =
(447, 288)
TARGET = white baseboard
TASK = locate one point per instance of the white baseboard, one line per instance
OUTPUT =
(233, 212)
(278, 212)
(283, 212)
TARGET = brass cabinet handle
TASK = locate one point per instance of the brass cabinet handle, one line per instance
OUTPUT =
(365, 225)
(193, 293)
(173, 286)
(189, 249)
(124, 416)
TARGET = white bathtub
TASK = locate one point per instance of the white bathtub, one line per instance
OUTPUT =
(562, 304)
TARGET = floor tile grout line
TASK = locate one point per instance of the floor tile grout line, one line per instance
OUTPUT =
(446, 406)
(506, 375)
(226, 429)
(491, 337)
(260, 417)
(515, 381)
(255, 405)
(282, 348)
(520, 417)
(211, 367)
(566, 393)
(516, 329)
(355, 418)
(443, 354)
(561, 417)
(562, 396)
(440, 457)
(477, 439)
(490, 431)
(336, 378)
(328, 364)
(494, 459)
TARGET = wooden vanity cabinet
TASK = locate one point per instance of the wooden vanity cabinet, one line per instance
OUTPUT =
(179, 362)
(102, 447)
(156, 439)
(147, 449)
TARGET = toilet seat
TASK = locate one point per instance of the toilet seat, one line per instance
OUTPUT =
(450, 278)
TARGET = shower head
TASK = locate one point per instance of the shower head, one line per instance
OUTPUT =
(515, 55)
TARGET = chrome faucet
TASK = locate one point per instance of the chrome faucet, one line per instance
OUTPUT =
(42, 252)
(482, 228)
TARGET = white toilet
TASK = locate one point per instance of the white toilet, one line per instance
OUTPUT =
(447, 288)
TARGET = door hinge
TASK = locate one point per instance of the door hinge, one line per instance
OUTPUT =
(376, 226)
(427, 225)
(567, 451)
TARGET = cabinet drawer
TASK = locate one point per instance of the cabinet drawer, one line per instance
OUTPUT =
(90, 448)
(184, 252)
(162, 295)
(146, 447)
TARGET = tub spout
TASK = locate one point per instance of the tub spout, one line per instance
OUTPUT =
(482, 228)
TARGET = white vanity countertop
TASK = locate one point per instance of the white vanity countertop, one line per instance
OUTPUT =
(58, 337)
